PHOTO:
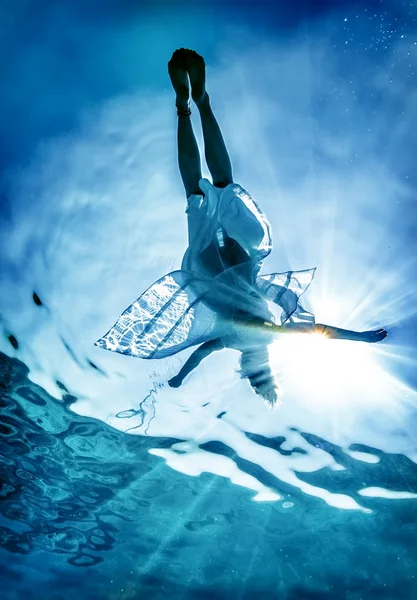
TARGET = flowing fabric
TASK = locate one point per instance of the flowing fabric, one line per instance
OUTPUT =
(229, 236)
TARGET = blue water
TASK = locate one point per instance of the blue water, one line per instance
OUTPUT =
(87, 511)
(114, 485)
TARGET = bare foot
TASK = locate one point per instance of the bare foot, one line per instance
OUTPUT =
(373, 336)
(196, 69)
(179, 78)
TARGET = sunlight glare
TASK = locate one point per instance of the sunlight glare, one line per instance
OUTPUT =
(330, 371)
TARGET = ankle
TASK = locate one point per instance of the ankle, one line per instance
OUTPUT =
(183, 107)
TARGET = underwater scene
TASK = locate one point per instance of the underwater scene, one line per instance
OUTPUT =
(208, 241)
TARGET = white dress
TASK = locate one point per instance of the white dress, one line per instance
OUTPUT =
(229, 237)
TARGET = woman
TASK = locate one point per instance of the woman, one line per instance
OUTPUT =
(217, 299)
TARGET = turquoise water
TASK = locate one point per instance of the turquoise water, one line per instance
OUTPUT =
(113, 484)
(87, 511)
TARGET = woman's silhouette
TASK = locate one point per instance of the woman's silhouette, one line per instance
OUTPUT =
(217, 299)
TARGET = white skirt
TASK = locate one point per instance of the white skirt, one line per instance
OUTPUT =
(233, 210)
(190, 306)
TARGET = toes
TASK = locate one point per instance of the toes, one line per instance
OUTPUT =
(177, 57)
(193, 56)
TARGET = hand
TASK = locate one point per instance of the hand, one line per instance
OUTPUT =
(175, 382)
(373, 336)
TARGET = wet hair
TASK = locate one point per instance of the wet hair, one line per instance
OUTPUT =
(255, 367)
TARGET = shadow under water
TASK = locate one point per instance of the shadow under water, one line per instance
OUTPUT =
(76, 493)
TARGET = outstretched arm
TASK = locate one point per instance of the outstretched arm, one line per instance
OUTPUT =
(195, 359)
(335, 333)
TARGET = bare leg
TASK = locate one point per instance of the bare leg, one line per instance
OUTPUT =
(189, 161)
(195, 359)
(217, 157)
(188, 156)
